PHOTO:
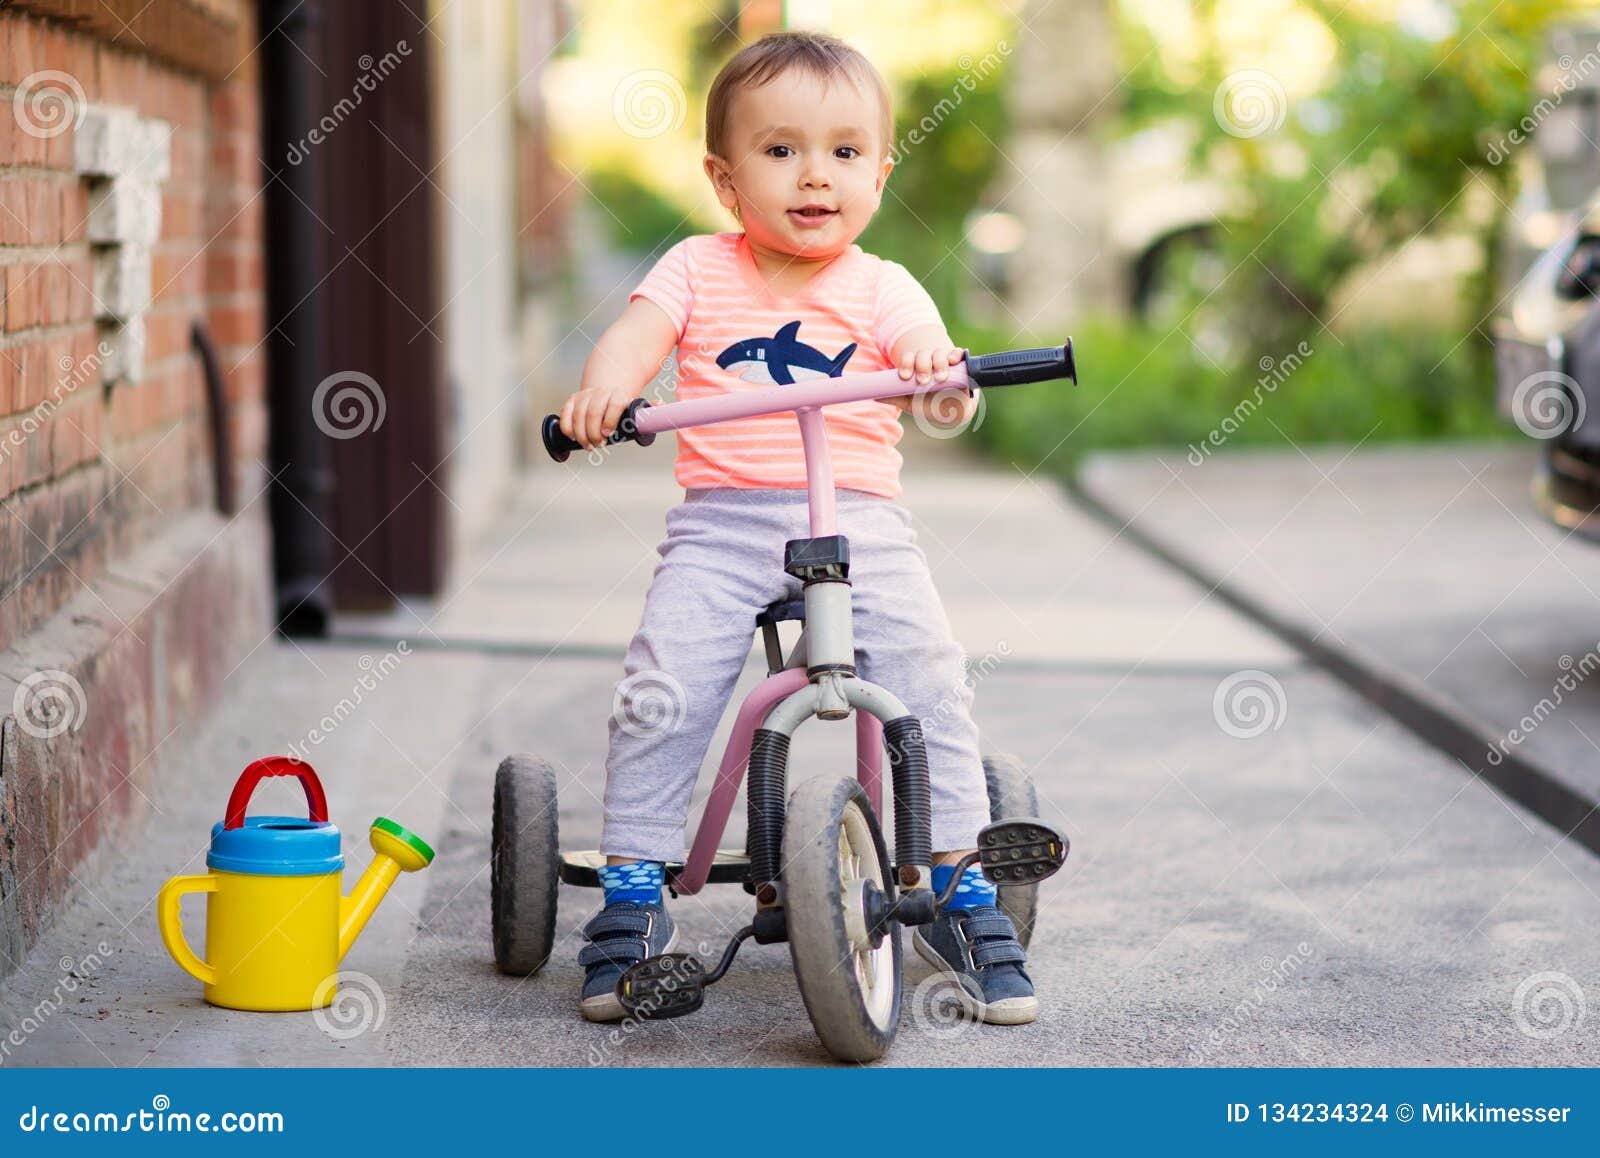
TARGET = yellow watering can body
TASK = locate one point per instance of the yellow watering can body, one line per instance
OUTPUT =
(271, 941)
(276, 924)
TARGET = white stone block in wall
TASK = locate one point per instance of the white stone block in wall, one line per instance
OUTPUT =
(121, 281)
(152, 151)
(124, 361)
(126, 158)
(106, 142)
(124, 210)
(117, 142)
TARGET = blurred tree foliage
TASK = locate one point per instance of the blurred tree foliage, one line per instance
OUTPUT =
(1384, 152)
(1143, 388)
(637, 217)
(947, 129)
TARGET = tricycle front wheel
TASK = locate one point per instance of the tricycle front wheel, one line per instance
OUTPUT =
(835, 873)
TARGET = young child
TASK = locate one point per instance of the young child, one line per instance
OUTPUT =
(798, 133)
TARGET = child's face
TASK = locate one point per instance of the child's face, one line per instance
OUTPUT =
(807, 164)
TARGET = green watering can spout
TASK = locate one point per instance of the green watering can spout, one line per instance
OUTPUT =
(396, 850)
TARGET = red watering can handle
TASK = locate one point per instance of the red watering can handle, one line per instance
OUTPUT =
(316, 800)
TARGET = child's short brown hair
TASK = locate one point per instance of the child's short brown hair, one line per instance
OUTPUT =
(773, 55)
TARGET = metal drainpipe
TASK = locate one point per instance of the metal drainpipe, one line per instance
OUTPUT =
(297, 344)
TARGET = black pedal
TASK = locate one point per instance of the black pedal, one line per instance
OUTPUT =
(1021, 852)
(661, 987)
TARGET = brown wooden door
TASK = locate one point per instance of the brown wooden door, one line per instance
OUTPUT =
(380, 301)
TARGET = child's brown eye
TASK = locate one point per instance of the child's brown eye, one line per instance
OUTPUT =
(779, 151)
(847, 152)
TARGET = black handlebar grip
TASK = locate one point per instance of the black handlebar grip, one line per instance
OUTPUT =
(1016, 367)
(558, 446)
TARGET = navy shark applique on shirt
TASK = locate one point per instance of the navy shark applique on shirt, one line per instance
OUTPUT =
(782, 359)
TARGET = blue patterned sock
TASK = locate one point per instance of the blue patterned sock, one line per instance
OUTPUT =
(974, 889)
(638, 881)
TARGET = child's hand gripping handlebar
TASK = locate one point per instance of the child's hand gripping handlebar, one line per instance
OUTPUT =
(641, 422)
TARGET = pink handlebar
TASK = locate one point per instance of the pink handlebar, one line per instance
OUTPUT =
(777, 399)
(641, 421)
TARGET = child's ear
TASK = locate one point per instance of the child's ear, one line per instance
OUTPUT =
(881, 183)
(883, 173)
(721, 176)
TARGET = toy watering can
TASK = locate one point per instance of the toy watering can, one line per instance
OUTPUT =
(276, 925)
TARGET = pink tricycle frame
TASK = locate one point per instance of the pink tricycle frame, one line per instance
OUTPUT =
(806, 399)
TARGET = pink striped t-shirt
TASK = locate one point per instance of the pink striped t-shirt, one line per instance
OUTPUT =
(736, 334)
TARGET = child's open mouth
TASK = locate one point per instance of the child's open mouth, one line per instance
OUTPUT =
(812, 216)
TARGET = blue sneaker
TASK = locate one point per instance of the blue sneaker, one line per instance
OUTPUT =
(622, 933)
(979, 950)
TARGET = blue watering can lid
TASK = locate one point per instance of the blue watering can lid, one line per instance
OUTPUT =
(287, 846)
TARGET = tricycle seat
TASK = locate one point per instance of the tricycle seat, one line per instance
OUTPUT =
(782, 611)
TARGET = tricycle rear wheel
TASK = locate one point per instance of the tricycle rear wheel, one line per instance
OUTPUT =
(524, 864)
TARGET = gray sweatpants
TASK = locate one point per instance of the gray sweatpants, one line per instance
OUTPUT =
(721, 562)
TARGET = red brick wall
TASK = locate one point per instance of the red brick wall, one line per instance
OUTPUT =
(104, 468)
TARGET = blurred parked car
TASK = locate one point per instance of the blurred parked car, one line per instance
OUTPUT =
(1547, 363)
(1547, 349)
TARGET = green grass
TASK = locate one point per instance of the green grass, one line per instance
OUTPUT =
(1139, 388)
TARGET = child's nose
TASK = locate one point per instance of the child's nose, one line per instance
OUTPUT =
(815, 176)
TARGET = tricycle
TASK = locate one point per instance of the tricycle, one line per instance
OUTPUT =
(815, 861)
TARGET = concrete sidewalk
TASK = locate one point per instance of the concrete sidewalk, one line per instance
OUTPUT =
(1426, 570)
(1308, 886)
